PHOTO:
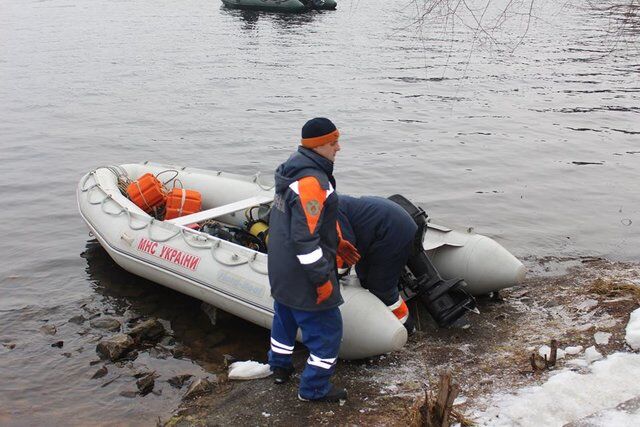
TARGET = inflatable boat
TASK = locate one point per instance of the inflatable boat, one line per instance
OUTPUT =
(219, 261)
(281, 5)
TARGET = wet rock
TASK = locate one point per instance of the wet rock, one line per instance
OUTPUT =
(228, 359)
(178, 352)
(91, 338)
(149, 330)
(158, 353)
(130, 356)
(67, 355)
(49, 329)
(114, 347)
(179, 380)
(107, 323)
(78, 320)
(132, 320)
(146, 383)
(100, 373)
(168, 341)
(199, 387)
(129, 393)
(95, 362)
(58, 344)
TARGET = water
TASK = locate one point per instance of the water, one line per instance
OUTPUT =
(537, 147)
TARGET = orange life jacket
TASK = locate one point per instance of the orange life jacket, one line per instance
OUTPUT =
(146, 192)
(182, 202)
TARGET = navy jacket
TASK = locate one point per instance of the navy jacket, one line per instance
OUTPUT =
(376, 226)
(302, 232)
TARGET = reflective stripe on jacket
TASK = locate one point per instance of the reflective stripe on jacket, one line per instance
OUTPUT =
(302, 232)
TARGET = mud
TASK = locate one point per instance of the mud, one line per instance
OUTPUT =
(563, 299)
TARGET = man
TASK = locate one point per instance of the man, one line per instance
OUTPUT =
(303, 242)
(383, 233)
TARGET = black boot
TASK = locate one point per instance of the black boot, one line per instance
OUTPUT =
(282, 375)
(335, 394)
(410, 325)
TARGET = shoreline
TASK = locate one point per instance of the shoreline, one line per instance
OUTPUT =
(493, 355)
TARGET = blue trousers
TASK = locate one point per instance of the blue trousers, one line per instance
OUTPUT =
(379, 272)
(321, 334)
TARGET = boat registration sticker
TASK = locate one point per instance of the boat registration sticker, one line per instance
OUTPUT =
(167, 253)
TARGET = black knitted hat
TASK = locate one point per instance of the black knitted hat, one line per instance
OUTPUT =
(315, 129)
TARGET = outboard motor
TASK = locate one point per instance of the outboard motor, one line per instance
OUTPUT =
(445, 300)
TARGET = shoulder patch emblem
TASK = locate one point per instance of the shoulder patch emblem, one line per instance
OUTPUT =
(312, 207)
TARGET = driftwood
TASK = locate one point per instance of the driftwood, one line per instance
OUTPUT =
(539, 363)
(437, 411)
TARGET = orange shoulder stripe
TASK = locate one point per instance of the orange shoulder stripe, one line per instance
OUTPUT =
(312, 196)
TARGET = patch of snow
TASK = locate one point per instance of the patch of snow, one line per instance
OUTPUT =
(248, 370)
(569, 396)
(591, 354)
(602, 338)
(266, 414)
(460, 400)
(580, 363)
(545, 350)
(615, 418)
(573, 350)
(633, 330)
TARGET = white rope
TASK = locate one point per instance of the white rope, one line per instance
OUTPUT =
(251, 263)
(235, 258)
(143, 226)
(106, 199)
(214, 247)
(160, 240)
(257, 181)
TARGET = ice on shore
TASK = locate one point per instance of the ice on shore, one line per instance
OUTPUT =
(596, 398)
(569, 396)
(633, 330)
(602, 338)
(248, 370)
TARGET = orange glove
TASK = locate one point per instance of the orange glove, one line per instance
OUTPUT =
(324, 291)
(348, 252)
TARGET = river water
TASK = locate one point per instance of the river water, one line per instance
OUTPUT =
(537, 147)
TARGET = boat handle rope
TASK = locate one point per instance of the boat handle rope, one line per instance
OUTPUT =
(251, 263)
(256, 180)
(235, 258)
(102, 205)
(160, 240)
(85, 179)
(213, 247)
(196, 237)
(144, 224)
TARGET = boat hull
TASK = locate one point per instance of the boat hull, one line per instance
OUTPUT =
(234, 278)
(291, 6)
(223, 274)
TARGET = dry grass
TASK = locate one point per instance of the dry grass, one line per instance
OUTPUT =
(611, 288)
